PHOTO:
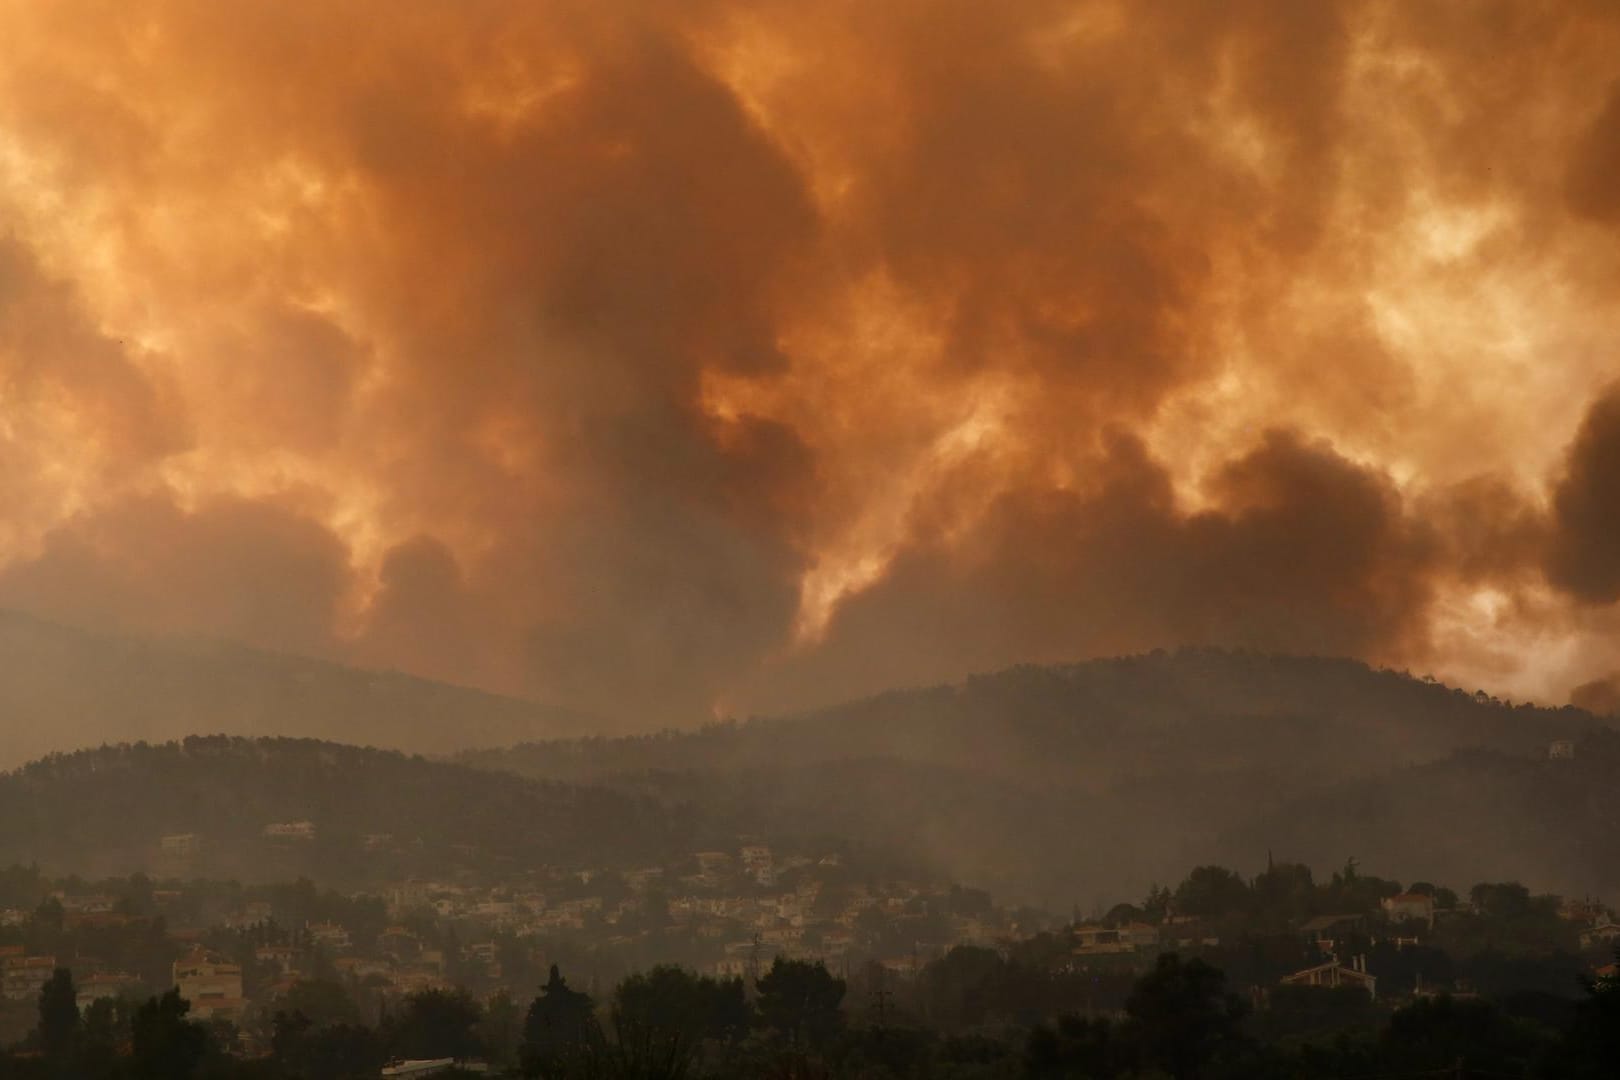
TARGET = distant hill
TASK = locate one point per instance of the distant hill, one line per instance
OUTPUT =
(1476, 815)
(62, 688)
(1053, 785)
(374, 815)
(1103, 721)
(1073, 783)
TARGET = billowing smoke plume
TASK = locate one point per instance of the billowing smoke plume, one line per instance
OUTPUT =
(663, 358)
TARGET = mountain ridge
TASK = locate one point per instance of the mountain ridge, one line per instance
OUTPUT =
(63, 688)
(1124, 770)
(105, 810)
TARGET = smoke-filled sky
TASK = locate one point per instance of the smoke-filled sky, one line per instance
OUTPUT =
(665, 359)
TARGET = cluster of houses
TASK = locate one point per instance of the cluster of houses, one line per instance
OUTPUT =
(730, 913)
(737, 908)
(727, 913)
(1405, 917)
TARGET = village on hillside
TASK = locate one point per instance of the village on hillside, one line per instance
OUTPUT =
(238, 953)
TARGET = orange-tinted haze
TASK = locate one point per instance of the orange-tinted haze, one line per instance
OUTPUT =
(663, 358)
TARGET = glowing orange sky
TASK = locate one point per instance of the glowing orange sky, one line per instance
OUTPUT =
(660, 358)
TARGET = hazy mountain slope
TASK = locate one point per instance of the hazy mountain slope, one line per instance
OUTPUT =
(1476, 815)
(1095, 723)
(106, 810)
(61, 689)
(1074, 783)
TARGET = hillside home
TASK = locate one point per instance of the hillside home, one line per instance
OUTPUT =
(106, 984)
(1098, 941)
(212, 984)
(88, 904)
(289, 830)
(1139, 935)
(329, 935)
(483, 954)
(1409, 905)
(1334, 974)
(1585, 910)
(407, 896)
(787, 937)
(21, 977)
(713, 865)
(180, 845)
(756, 859)
(1132, 937)
(1604, 933)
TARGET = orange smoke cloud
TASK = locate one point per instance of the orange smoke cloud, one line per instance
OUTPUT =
(646, 357)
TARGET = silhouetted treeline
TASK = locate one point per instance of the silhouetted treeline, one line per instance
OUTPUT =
(1005, 782)
(1180, 1020)
(106, 811)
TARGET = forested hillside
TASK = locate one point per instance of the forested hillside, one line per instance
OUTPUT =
(374, 814)
(62, 688)
(1060, 784)
(1475, 815)
(1193, 710)
(1046, 785)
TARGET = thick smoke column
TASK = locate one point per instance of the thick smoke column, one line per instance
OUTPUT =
(664, 358)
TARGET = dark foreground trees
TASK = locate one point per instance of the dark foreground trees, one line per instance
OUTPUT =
(164, 1044)
(60, 1028)
(1180, 1021)
(1183, 1020)
(801, 1000)
(560, 1033)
